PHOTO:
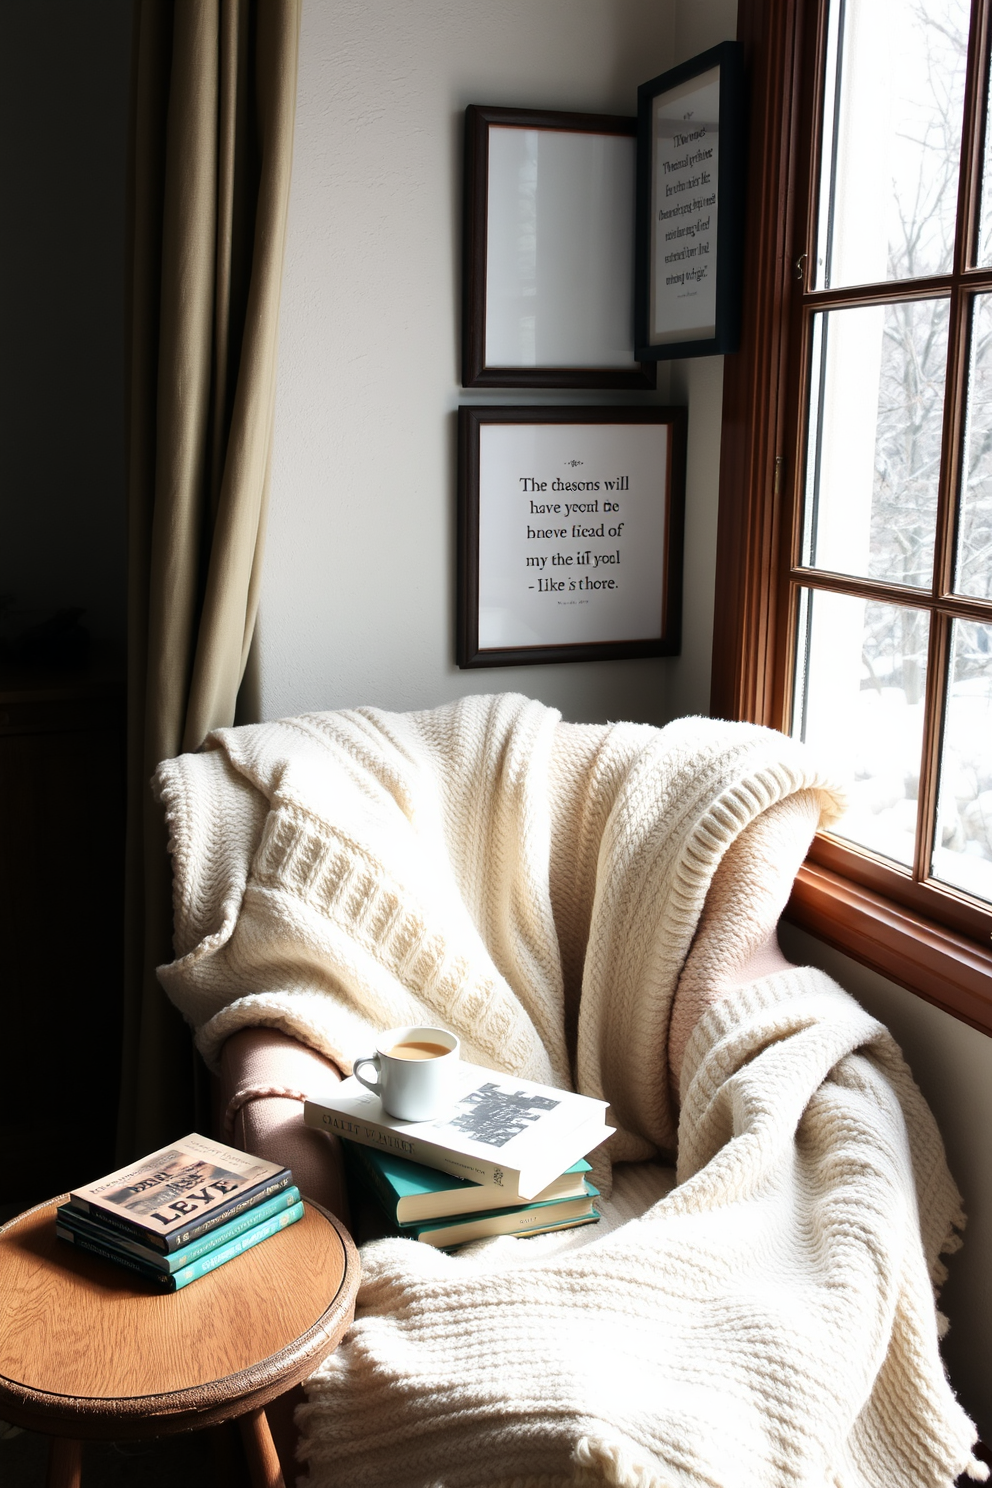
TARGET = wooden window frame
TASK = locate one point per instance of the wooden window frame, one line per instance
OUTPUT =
(947, 962)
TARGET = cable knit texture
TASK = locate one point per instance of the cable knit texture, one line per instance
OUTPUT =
(767, 1319)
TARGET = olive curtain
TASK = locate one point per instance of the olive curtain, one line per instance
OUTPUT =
(214, 99)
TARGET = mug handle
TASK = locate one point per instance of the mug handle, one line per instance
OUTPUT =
(372, 1059)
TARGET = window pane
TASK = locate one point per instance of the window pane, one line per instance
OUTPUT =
(873, 461)
(892, 139)
(974, 560)
(861, 675)
(962, 854)
(985, 217)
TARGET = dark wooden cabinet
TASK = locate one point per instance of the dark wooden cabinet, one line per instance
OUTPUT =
(62, 816)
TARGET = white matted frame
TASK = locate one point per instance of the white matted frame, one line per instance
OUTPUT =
(549, 250)
(570, 534)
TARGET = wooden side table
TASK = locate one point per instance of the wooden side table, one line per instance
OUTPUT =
(85, 1351)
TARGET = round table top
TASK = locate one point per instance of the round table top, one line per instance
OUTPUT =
(85, 1350)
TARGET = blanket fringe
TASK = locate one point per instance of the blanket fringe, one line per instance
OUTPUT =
(953, 1241)
(602, 1462)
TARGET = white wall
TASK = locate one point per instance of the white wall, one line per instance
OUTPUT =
(358, 591)
(698, 383)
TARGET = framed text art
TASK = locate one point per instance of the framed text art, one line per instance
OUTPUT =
(549, 250)
(690, 207)
(569, 534)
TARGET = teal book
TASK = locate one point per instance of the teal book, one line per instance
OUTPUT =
(85, 1228)
(172, 1281)
(526, 1219)
(409, 1192)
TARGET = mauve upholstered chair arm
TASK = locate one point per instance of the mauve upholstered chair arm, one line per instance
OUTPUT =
(256, 1061)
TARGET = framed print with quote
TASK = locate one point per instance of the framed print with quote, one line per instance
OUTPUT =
(548, 280)
(690, 207)
(569, 534)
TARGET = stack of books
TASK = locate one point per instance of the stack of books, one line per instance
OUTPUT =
(507, 1158)
(181, 1212)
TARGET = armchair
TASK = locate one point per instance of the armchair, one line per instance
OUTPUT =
(265, 1074)
(593, 906)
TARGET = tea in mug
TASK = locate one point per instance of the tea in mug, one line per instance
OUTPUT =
(417, 1049)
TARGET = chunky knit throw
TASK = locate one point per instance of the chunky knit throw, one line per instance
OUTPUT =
(769, 1319)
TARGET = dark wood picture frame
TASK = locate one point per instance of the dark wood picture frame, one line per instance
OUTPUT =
(727, 57)
(476, 372)
(471, 421)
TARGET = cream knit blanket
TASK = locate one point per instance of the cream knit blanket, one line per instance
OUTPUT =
(771, 1320)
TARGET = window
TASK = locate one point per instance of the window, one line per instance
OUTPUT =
(855, 549)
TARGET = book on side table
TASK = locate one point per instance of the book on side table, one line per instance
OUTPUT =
(181, 1212)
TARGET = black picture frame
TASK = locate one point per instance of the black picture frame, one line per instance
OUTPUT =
(656, 541)
(477, 371)
(661, 305)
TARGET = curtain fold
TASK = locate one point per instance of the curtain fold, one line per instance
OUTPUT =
(213, 112)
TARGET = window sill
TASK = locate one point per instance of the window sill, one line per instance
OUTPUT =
(946, 969)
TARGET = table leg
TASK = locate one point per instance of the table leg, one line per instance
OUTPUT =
(65, 1463)
(263, 1459)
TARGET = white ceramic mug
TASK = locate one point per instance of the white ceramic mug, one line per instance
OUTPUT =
(416, 1069)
